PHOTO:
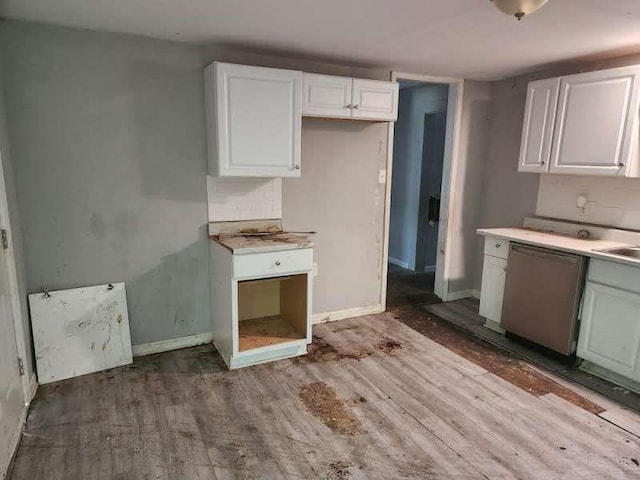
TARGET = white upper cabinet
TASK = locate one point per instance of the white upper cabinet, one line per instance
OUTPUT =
(537, 130)
(254, 120)
(375, 100)
(342, 97)
(584, 124)
(326, 96)
(596, 128)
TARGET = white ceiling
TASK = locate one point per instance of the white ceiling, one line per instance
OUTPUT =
(467, 38)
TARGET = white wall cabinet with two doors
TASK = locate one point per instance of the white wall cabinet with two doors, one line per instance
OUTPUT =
(583, 124)
(254, 114)
(329, 96)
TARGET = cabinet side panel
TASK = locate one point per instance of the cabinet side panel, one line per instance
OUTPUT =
(221, 299)
(211, 117)
(293, 302)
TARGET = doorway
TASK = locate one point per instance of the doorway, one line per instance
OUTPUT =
(416, 189)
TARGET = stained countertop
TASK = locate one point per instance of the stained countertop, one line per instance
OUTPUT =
(563, 243)
(240, 244)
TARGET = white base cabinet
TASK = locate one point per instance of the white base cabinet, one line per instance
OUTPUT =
(610, 327)
(260, 304)
(496, 252)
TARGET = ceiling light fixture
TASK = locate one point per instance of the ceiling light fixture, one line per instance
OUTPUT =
(518, 8)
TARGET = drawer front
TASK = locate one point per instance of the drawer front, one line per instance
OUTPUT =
(260, 265)
(614, 274)
(496, 247)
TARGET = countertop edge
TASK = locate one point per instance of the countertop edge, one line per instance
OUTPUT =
(488, 232)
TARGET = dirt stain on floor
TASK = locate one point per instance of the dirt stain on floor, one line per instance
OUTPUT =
(489, 357)
(322, 401)
(388, 345)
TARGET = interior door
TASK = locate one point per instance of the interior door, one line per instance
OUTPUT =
(537, 129)
(597, 115)
(326, 96)
(259, 121)
(375, 100)
(12, 399)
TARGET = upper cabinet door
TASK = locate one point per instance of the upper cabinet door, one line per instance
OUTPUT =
(254, 120)
(375, 100)
(326, 96)
(596, 123)
(537, 130)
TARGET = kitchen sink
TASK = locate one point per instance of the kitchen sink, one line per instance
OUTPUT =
(631, 252)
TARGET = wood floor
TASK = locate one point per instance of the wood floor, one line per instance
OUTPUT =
(374, 399)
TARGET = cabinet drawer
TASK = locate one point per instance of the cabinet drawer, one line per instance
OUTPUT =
(614, 274)
(259, 265)
(496, 247)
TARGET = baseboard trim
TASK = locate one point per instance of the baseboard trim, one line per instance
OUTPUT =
(172, 344)
(399, 263)
(194, 340)
(346, 313)
(453, 296)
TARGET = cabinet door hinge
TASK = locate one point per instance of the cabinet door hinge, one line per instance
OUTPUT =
(21, 366)
(5, 239)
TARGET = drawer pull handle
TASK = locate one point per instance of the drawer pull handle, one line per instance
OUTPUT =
(278, 263)
(498, 245)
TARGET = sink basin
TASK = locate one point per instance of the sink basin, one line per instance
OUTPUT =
(631, 252)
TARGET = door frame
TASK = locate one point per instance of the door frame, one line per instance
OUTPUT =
(449, 183)
(29, 383)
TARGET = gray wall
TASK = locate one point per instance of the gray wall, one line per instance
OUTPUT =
(107, 136)
(109, 140)
(15, 232)
(414, 103)
(339, 196)
(470, 186)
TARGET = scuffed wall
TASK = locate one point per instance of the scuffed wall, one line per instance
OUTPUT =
(108, 143)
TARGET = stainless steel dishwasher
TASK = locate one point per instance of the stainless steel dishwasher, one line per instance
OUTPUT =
(542, 296)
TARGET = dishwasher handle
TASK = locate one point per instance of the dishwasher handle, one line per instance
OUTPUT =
(545, 253)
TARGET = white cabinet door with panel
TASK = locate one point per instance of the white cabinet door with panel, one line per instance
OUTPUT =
(254, 120)
(496, 253)
(597, 121)
(610, 329)
(537, 130)
(375, 100)
(326, 96)
(493, 281)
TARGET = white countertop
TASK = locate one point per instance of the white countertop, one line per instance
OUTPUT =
(242, 244)
(564, 243)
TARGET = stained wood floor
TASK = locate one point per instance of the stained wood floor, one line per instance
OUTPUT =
(375, 399)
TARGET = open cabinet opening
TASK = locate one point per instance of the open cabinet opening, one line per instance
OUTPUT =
(271, 311)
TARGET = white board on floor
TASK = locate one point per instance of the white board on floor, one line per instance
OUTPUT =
(79, 331)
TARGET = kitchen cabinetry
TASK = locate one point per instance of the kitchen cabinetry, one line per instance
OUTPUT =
(326, 96)
(254, 120)
(537, 131)
(342, 97)
(610, 330)
(496, 252)
(260, 304)
(594, 124)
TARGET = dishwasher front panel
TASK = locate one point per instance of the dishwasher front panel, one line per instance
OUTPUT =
(542, 296)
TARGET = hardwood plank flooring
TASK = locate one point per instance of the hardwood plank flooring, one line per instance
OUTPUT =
(415, 409)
